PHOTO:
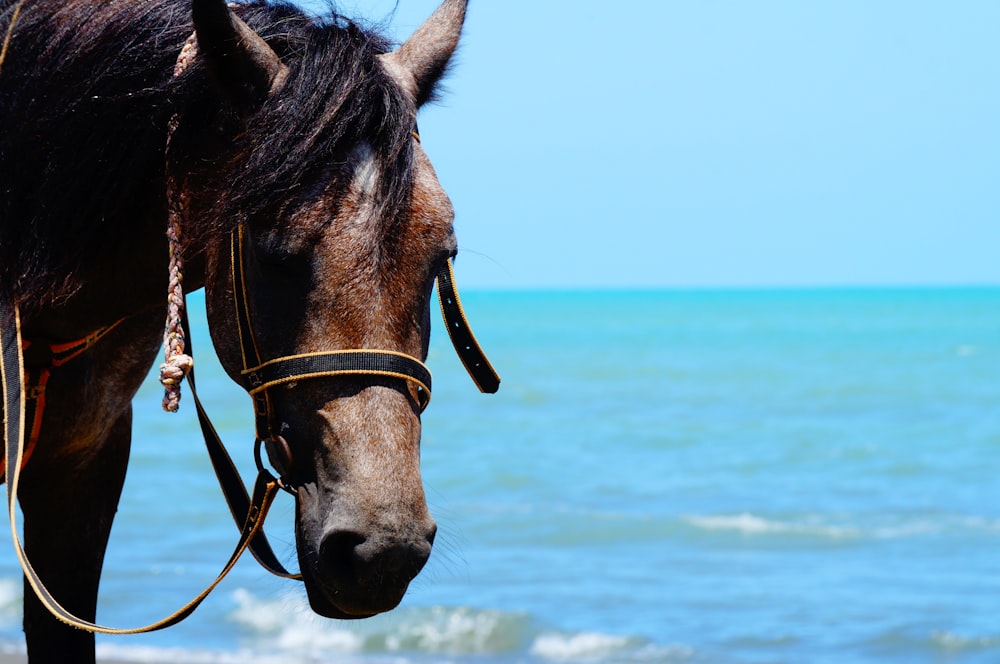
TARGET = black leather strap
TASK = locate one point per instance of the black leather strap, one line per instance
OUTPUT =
(12, 381)
(261, 375)
(244, 326)
(11, 372)
(251, 510)
(482, 372)
(340, 363)
(229, 477)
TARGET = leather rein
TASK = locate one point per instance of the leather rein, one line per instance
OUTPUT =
(22, 404)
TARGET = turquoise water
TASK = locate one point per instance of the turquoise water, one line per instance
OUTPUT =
(690, 476)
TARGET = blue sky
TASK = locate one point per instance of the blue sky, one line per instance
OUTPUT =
(705, 144)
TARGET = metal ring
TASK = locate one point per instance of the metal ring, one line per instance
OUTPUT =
(261, 468)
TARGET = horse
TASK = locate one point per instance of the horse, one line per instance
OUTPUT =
(272, 158)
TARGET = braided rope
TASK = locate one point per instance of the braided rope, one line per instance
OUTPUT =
(176, 363)
(187, 55)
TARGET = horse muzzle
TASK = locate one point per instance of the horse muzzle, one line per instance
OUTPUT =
(354, 574)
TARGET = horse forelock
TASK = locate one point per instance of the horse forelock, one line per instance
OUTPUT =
(304, 142)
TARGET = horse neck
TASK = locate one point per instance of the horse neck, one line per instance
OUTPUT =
(127, 276)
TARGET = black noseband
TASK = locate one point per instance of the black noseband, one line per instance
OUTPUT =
(284, 370)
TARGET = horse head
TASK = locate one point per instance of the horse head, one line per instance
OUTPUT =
(340, 229)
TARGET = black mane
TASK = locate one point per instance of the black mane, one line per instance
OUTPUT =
(86, 95)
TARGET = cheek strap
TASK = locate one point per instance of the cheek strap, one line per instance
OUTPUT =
(469, 351)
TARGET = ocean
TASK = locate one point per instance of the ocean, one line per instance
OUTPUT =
(689, 476)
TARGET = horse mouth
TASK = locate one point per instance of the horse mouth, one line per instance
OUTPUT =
(338, 605)
(327, 610)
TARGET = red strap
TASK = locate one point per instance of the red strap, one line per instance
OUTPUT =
(57, 355)
(34, 412)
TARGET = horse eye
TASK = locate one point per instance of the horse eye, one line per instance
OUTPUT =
(281, 261)
(450, 255)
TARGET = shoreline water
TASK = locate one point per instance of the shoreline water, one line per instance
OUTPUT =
(663, 478)
(11, 658)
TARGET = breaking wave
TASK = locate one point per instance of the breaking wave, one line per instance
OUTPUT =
(428, 634)
(817, 527)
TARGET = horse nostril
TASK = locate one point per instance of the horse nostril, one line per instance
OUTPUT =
(348, 553)
(431, 534)
(339, 549)
(403, 561)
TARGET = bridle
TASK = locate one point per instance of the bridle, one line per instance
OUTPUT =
(261, 375)
(248, 510)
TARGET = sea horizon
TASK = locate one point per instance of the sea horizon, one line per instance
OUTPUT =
(728, 287)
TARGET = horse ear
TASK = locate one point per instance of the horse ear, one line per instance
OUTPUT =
(421, 62)
(238, 59)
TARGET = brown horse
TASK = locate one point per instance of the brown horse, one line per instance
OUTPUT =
(284, 151)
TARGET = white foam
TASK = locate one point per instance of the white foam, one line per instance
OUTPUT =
(153, 655)
(10, 600)
(957, 642)
(287, 625)
(906, 529)
(452, 630)
(749, 524)
(819, 527)
(605, 649)
(744, 523)
(584, 645)
(264, 616)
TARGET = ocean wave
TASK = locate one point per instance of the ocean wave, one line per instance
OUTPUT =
(821, 527)
(286, 627)
(750, 524)
(954, 643)
(283, 629)
(11, 595)
(109, 652)
(577, 646)
(606, 649)
(940, 644)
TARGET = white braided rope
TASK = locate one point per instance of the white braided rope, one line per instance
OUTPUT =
(177, 364)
